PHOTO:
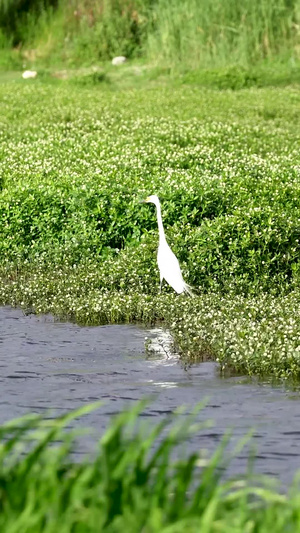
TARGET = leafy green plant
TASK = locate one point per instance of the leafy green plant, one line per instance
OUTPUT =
(133, 481)
(75, 241)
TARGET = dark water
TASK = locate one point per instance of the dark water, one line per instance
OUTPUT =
(47, 364)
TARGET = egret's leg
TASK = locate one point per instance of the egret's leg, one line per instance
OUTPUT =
(160, 283)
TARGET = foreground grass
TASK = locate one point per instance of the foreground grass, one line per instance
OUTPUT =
(132, 483)
(75, 161)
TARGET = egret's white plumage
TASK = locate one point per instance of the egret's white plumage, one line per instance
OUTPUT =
(167, 261)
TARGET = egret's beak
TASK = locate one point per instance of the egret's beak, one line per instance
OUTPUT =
(145, 200)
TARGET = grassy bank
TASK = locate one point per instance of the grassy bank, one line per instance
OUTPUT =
(75, 241)
(186, 34)
(132, 483)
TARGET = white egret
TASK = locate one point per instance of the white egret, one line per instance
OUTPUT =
(167, 261)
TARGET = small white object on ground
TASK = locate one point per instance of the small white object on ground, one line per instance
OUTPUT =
(118, 60)
(29, 74)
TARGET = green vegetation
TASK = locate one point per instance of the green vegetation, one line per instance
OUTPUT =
(132, 483)
(76, 157)
(75, 241)
(181, 34)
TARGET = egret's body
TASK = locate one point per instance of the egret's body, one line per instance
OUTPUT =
(167, 261)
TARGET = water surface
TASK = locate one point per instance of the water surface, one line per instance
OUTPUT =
(47, 364)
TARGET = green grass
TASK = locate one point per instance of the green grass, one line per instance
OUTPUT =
(180, 34)
(214, 33)
(138, 479)
(75, 161)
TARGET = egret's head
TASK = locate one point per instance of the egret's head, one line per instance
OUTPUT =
(153, 199)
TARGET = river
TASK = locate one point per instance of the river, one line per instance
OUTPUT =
(47, 364)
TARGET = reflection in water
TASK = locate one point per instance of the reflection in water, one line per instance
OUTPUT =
(46, 364)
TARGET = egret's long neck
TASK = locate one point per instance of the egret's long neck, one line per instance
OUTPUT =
(160, 223)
